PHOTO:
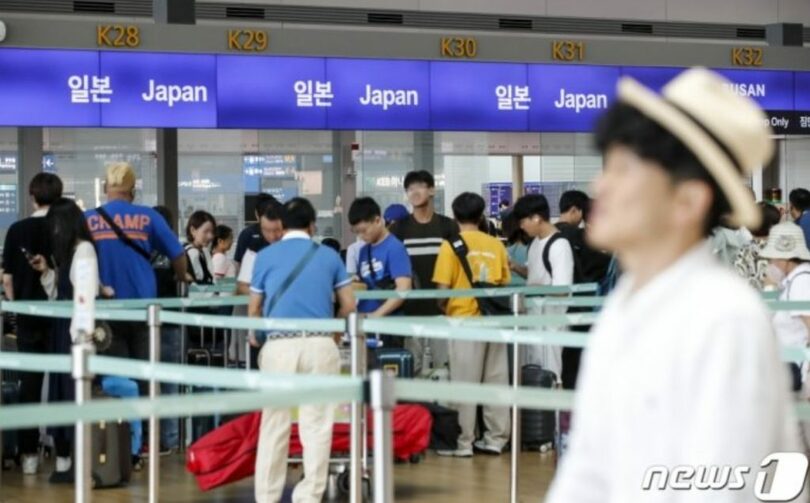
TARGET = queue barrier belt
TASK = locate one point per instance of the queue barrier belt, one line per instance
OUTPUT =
(269, 390)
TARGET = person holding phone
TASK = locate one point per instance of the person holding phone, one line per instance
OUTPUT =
(24, 239)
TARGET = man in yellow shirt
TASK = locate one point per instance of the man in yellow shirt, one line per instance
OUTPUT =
(474, 361)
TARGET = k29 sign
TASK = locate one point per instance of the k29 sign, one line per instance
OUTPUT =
(139, 89)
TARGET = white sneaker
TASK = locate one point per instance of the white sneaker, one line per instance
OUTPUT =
(482, 446)
(458, 453)
(63, 464)
(30, 464)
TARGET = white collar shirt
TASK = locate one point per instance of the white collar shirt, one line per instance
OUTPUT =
(789, 327)
(684, 371)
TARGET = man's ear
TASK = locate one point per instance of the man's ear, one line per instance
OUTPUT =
(693, 202)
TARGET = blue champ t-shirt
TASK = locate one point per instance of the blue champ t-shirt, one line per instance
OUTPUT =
(385, 261)
(310, 295)
(121, 267)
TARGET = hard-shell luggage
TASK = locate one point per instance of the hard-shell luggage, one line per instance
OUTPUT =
(112, 454)
(397, 362)
(537, 426)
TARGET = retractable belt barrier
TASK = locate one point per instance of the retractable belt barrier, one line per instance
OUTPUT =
(265, 389)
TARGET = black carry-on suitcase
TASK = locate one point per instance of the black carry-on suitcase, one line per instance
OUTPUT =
(537, 426)
(112, 454)
(397, 362)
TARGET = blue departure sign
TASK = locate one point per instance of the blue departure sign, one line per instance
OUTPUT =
(81, 88)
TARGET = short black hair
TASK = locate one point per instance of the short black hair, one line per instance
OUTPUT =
(800, 199)
(625, 125)
(575, 199)
(363, 209)
(222, 233)
(504, 202)
(420, 176)
(468, 208)
(770, 217)
(273, 210)
(298, 214)
(331, 243)
(262, 201)
(166, 213)
(45, 188)
(530, 205)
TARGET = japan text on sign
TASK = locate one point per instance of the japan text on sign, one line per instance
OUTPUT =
(459, 47)
(747, 56)
(567, 50)
(118, 35)
(248, 40)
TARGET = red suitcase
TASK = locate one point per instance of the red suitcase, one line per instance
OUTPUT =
(228, 454)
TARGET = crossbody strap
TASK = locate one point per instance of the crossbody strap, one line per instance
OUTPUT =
(369, 259)
(460, 248)
(122, 235)
(297, 270)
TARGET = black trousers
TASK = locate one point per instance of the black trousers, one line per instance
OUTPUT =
(130, 340)
(32, 337)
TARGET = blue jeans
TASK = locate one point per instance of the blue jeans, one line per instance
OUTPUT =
(170, 353)
(125, 388)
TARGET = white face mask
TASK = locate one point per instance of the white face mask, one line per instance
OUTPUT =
(775, 274)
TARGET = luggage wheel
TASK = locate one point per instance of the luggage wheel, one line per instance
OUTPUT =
(344, 481)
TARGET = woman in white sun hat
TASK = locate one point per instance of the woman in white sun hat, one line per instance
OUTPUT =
(789, 270)
(682, 374)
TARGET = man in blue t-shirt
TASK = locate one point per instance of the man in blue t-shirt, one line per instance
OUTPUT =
(296, 278)
(799, 209)
(124, 260)
(383, 263)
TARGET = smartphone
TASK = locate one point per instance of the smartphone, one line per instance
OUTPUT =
(27, 254)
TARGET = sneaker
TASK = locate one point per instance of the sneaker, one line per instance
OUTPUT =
(63, 473)
(30, 464)
(137, 463)
(484, 447)
(457, 453)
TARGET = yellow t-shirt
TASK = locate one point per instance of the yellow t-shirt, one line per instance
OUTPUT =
(488, 261)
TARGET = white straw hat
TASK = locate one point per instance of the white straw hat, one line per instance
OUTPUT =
(728, 133)
(786, 241)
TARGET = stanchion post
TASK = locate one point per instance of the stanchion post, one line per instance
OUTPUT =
(82, 350)
(153, 320)
(357, 341)
(383, 400)
(184, 425)
(514, 479)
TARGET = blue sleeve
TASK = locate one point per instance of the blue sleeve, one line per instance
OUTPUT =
(804, 223)
(162, 238)
(242, 244)
(399, 262)
(341, 277)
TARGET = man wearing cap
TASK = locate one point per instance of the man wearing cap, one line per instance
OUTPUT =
(682, 372)
(789, 269)
(125, 235)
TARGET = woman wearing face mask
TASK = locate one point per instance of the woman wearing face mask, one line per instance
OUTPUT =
(199, 235)
(789, 270)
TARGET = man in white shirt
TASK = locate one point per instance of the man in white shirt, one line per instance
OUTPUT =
(682, 375)
(551, 262)
(271, 231)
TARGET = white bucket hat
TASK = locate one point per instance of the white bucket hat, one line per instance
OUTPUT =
(786, 241)
(728, 133)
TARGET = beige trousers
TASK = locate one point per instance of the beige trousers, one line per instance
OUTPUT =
(481, 362)
(315, 355)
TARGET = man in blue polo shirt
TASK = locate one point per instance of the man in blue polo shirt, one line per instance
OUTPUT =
(125, 235)
(296, 278)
